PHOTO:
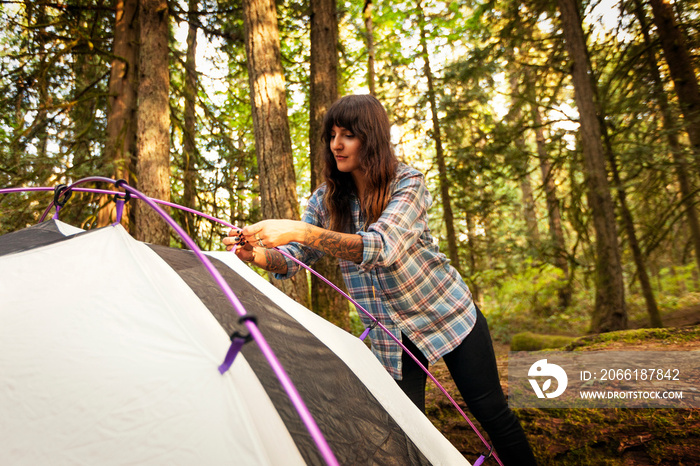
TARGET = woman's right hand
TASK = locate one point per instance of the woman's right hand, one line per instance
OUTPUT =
(243, 249)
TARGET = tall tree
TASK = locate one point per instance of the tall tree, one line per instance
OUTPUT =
(556, 231)
(323, 78)
(681, 164)
(323, 92)
(371, 54)
(521, 164)
(273, 145)
(153, 119)
(610, 310)
(448, 216)
(628, 225)
(120, 146)
(38, 13)
(680, 65)
(189, 130)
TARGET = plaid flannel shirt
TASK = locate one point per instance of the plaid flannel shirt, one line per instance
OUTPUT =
(403, 279)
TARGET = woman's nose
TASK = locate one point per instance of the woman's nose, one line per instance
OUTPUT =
(335, 142)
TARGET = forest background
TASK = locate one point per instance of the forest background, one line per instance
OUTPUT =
(560, 141)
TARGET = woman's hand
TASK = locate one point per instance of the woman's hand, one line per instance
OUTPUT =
(244, 250)
(260, 255)
(273, 233)
(257, 239)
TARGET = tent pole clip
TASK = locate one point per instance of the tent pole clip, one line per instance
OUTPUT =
(246, 337)
(238, 339)
(484, 456)
(368, 329)
(126, 197)
(120, 199)
(61, 189)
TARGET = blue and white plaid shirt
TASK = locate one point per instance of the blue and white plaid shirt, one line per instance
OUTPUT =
(418, 292)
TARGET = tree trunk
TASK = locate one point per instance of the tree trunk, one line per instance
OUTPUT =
(556, 231)
(472, 257)
(189, 147)
(120, 147)
(528, 202)
(681, 164)
(369, 30)
(521, 163)
(628, 223)
(42, 85)
(273, 145)
(680, 66)
(323, 78)
(439, 154)
(153, 120)
(610, 311)
(325, 301)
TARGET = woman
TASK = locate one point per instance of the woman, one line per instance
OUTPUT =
(371, 214)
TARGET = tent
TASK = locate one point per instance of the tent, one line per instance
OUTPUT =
(109, 350)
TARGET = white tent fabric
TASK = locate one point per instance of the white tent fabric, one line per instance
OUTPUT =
(108, 357)
(96, 375)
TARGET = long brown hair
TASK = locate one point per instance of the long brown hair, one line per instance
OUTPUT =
(366, 118)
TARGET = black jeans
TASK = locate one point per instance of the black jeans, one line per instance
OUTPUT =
(473, 368)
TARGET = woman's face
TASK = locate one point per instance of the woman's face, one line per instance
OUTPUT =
(346, 150)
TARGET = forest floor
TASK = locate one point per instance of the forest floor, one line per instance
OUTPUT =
(630, 437)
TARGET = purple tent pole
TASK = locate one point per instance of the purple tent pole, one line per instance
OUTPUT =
(265, 348)
(294, 259)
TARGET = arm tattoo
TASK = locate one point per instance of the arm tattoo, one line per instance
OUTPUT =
(342, 245)
(275, 262)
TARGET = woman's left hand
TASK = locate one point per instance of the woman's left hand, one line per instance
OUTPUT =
(273, 233)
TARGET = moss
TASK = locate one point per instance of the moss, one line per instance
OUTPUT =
(528, 341)
(663, 335)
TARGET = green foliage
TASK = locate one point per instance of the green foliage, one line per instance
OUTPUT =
(529, 301)
(356, 325)
(54, 70)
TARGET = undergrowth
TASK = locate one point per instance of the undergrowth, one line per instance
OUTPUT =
(530, 301)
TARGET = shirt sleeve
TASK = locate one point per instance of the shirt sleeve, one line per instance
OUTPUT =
(401, 224)
(314, 216)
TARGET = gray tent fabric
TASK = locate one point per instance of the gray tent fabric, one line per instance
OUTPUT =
(109, 351)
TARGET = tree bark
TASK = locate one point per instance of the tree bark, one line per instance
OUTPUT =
(369, 30)
(680, 66)
(325, 301)
(610, 311)
(323, 78)
(189, 147)
(120, 146)
(439, 153)
(273, 145)
(153, 120)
